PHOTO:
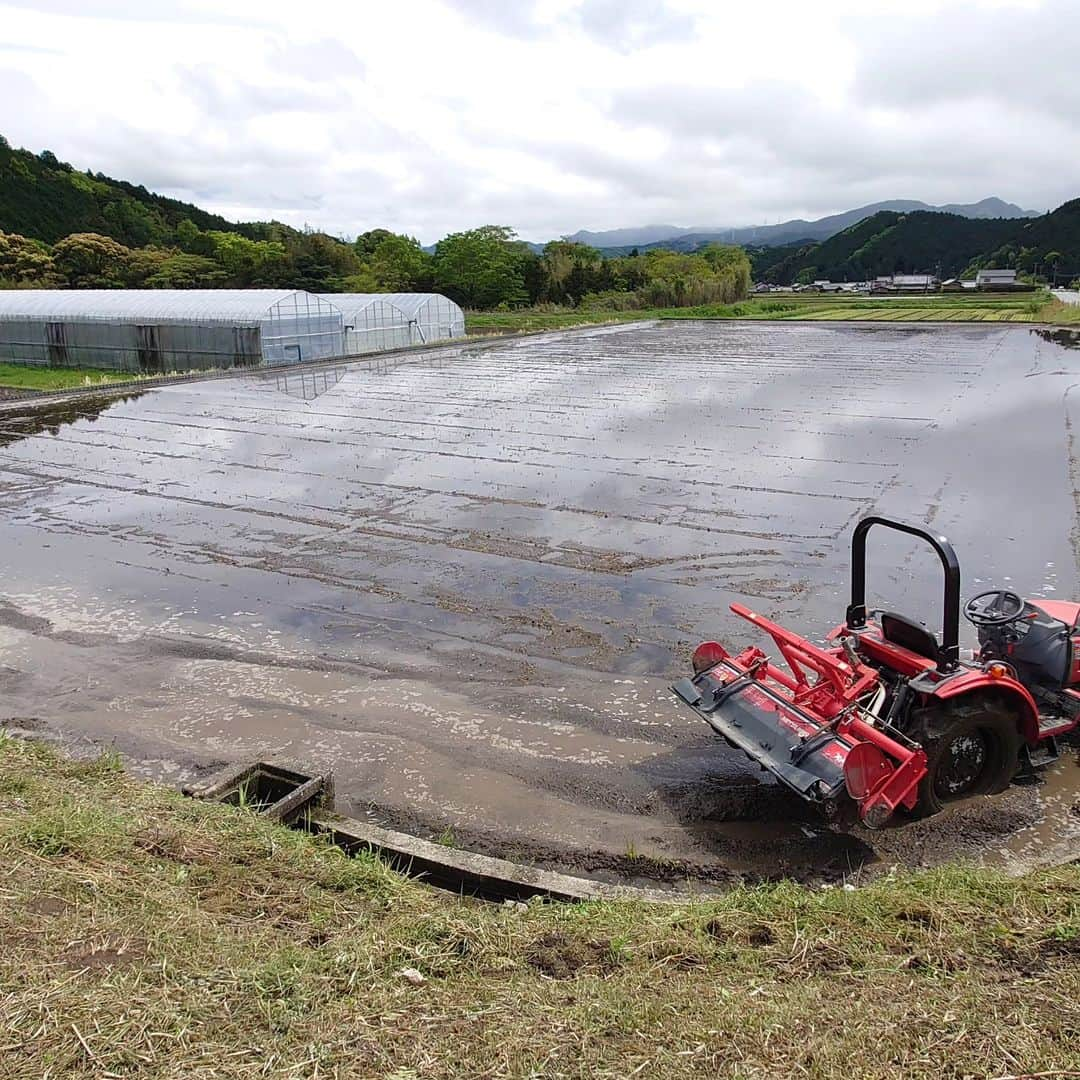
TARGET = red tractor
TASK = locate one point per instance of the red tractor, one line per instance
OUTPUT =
(883, 717)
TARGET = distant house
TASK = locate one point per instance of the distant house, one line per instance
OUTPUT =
(993, 279)
(914, 282)
(905, 283)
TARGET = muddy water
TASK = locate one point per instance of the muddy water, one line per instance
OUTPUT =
(462, 580)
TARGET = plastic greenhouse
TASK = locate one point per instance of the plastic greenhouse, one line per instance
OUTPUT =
(371, 323)
(397, 319)
(432, 316)
(151, 330)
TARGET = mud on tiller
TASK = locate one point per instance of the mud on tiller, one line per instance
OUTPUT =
(886, 718)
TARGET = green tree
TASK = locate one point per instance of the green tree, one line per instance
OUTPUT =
(367, 242)
(180, 270)
(318, 262)
(135, 222)
(92, 261)
(143, 263)
(363, 281)
(570, 270)
(481, 268)
(731, 265)
(25, 262)
(193, 240)
(400, 264)
(1054, 259)
(249, 262)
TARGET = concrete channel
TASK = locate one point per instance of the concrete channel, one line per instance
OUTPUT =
(462, 580)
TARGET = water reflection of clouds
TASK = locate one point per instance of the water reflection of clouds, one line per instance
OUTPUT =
(699, 459)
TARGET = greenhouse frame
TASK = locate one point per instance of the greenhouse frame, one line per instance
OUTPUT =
(161, 330)
(371, 322)
(393, 320)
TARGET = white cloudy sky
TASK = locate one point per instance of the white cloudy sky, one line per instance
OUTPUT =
(551, 115)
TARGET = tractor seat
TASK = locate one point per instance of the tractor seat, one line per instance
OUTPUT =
(910, 635)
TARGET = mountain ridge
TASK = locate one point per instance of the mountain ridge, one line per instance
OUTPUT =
(688, 239)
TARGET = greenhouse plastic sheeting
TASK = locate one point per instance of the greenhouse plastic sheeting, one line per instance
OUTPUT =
(153, 330)
(371, 322)
(427, 317)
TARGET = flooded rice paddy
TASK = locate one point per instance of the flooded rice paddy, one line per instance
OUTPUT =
(463, 579)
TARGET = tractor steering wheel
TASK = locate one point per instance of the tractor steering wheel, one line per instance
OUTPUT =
(995, 607)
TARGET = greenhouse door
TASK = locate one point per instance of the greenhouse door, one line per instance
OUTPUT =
(56, 340)
(247, 350)
(146, 338)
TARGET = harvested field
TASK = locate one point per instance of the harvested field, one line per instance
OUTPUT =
(462, 579)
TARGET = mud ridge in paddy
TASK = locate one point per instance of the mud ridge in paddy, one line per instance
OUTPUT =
(464, 582)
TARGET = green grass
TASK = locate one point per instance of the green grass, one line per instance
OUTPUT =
(532, 321)
(42, 378)
(145, 935)
(1063, 314)
(946, 307)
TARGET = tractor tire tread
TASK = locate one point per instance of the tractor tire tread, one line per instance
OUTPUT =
(988, 714)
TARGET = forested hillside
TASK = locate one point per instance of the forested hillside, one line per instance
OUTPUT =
(922, 242)
(46, 199)
(61, 228)
(1053, 239)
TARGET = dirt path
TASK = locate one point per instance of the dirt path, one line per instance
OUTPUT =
(463, 581)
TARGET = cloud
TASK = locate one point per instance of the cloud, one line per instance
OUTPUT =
(516, 19)
(1007, 57)
(628, 25)
(32, 49)
(435, 115)
(622, 25)
(185, 12)
(227, 96)
(322, 60)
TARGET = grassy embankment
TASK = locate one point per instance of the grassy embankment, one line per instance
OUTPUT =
(147, 935)
(948, 307)
(26, 377)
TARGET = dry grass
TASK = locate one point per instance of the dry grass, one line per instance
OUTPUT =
(1062, 314)
(148, 936)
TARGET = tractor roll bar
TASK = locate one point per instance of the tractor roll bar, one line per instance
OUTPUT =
(949, 656)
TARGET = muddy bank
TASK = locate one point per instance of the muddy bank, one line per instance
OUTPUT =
(463, 581)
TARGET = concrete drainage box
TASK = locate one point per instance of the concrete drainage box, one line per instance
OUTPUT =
(306, 801)
(272, 791)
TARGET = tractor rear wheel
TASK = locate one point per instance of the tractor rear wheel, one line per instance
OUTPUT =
(972, 748)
